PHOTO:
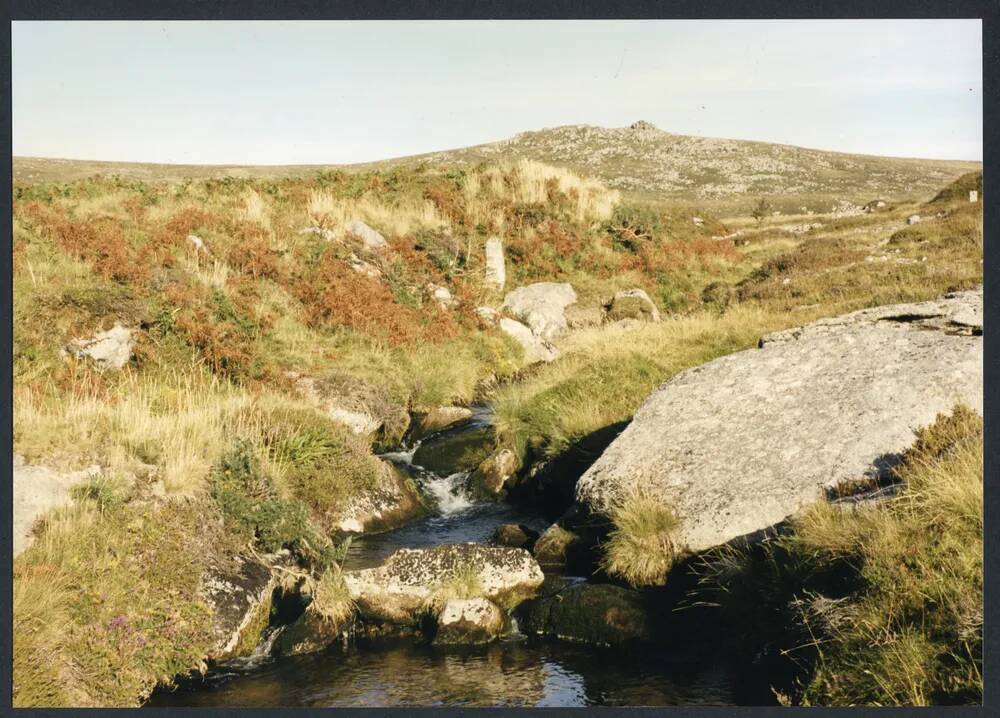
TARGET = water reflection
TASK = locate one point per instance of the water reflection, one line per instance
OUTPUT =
(513, 673)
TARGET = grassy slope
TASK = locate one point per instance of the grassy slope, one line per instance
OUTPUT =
(218, 333)
(648, 164)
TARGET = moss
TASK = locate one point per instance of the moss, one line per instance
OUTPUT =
(253, 632)
(456, 451)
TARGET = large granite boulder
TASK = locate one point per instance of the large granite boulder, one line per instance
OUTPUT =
(415, 582)
(632, 304)
(542, 307)
(239, 597)
(371, 238)
(391, 501)
(736, 445)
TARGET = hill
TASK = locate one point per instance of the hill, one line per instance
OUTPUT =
(641, 160)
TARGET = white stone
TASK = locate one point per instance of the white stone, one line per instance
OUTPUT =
(196, 242)
(542, 307)
(535, 348)
(973, 195)
(372, 239)
(111, 349)
(913, 219)
(442, 295)
(496, 271)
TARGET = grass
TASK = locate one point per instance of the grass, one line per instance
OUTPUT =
(639, 549)
(882, 604)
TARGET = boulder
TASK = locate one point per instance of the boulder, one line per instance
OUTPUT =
(542, 307)
(598, 614)
(413, 582)
(488, 315)
(440, 417)
(38, 490)
(460, 450)
(552, 546)
(371, 238)
(913, 219)
(491, 475)
(496, 272)
(365, 409)
(632, 304)
(514, 536)
(535, 348)
(239, 597)
(468, 621)
(736, 445)
(111, 349)
(441, 295)
(391, 501)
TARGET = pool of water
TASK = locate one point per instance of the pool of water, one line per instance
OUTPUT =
(510, 673)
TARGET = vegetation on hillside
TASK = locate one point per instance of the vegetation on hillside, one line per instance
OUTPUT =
(209, 447)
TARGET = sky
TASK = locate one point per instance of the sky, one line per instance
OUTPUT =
(331, 92)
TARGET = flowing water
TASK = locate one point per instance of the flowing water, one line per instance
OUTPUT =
(517, 671)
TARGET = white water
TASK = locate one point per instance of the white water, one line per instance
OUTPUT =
(448, 492)
(402, 457)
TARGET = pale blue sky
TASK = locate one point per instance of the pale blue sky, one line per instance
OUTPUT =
(332, 92)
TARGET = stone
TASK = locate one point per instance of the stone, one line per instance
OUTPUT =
(553, 545)
(365, 409)
(535, 348)
(496, 271)
(468, 621)
(441, 295)
(197, 243)
(735, 446)
(491, 475)
(488, 315)
(913, 219)
(514, 536)
(632, 304)
(237, 595)
(698, 221)
(597, 614)
(542, 307)
(38, 490)
(583, 317)
(438, 418)
(370, 237)
(111, 349)
(362, 267)
(391, 501)
(413, 582)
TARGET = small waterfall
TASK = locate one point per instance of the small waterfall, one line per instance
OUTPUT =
(404, 457)
(449, 492)
(261, 652)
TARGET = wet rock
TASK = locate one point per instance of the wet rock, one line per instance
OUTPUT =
(632, 304)
(438, 418)
(371, 238)
(111, 349)
(391, 501)
(38, 490)
(414, 582)
(514, 536)
(736, 445)
(541, 306)
(535, 348)
(496, 272)
(492, 474)
(239, 597)
(553, 546)
(598, 614)
(453, 451)
(468, 621)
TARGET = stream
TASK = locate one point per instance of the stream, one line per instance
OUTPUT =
(516, 671)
